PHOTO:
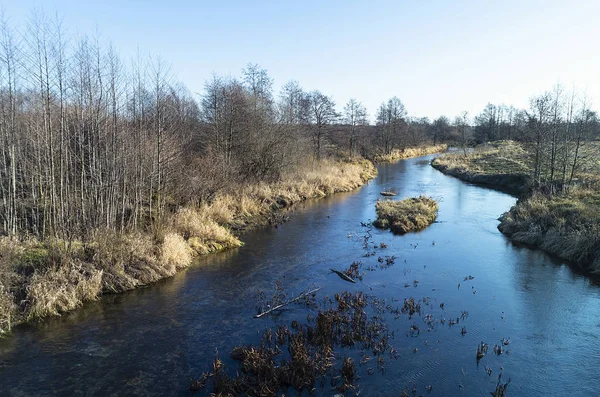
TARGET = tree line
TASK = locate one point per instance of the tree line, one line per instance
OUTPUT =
(559, 128)
(91, 141)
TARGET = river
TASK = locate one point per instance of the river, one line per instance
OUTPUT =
(153, 340)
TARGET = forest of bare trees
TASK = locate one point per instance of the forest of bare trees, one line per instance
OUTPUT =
(91, 141)
(87, 141)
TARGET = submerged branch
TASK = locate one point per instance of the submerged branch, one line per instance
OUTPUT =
(287, 303)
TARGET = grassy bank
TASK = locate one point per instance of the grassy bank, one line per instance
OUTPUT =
(566, 224)
(44, 278)
(408, 215)
(504, 166)
(400, 154)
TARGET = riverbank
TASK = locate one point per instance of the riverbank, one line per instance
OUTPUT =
(44, 278)
(566, 224)
(410, 152)
(503, 166)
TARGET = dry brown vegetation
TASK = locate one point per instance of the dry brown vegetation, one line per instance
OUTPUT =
(299, 356)
(503, 165)
(411, 214)
(410, 152)
(50, 277)
(564, 223)
(567, 225)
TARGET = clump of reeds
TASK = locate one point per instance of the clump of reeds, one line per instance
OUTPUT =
(482, 349)
(346, 380)
(8, 309)
(500, 387)
(406, 215)
(300, 356)
(411, 306)
(61, 289)
(353, 271)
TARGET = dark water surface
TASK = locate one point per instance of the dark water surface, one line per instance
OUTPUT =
(150, 341)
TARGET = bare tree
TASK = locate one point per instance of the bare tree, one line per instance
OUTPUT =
(319, 113)
(461, 123)
(290, 103)
(540, 108)
(355, 115)
(391, 120)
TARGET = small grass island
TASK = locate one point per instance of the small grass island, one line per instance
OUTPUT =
(408, 215)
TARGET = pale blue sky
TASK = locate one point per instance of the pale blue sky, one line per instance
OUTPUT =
(438, 57)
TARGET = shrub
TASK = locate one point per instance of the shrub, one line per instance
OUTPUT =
(203, 235)
(411, 214)
(175, 252)
(62, 289)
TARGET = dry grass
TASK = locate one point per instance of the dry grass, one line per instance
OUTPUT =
(242, 206)
(39, 279)
(65, 288)
(502, 157)
(8, 309)
(567, 225)
(16, 258)
(127, 261)
(411, 214)
(203, 234)
(400, 154)
(175, 253)
(504, 165)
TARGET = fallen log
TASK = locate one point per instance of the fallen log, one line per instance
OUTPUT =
(343, 276)
(387, 194)
(287, 303)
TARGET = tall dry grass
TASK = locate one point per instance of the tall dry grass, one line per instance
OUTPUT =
(62, 289)
(11, 281)
(202, 232)
(504, 165)
(406, 153)
(40, 279)
(175, 253)
(411, 214)
(567, 225)
(8, 309)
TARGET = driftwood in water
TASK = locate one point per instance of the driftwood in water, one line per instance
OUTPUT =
(387, 194)
(343, 276)
(287, 303)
